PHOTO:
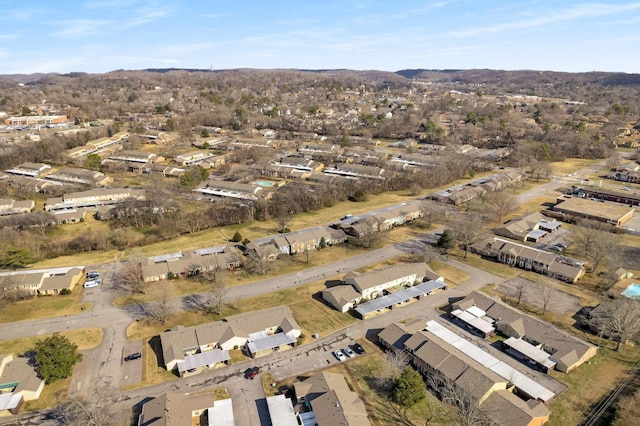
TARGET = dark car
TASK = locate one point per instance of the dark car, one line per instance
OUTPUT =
(133, 356)
(252, 372)
(358, 348)
(93, 274)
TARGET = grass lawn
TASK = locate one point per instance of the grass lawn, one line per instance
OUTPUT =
(44, 307)
(49, 396)
(86, 338)
(267, 381)
(587, 385)
(571, 165)
(450, 273)
(476, 261)
(312, 315)
(362, 372)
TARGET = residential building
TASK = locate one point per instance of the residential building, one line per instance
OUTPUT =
(42, 282)
(34, 170)
(532, 259)
(257, 333)
(74, 175)
(451, 363)
(19, 382)
(531, 227)
(92, 199)
(11, 207)
(99, 146)
(372, 284)
(567, 351)
(331, 401)
(182, 264)
(173, 408)
(356, 170)
(232, 190)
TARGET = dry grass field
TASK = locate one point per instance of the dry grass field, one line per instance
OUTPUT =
(86, 338)
(44, 307)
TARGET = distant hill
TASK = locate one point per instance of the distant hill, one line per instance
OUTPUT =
(479, 76)
(472, 76)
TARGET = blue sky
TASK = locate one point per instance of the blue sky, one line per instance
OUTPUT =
(104, 35)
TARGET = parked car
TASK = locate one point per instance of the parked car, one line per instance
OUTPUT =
(93, 274)
(91, 284)
(251, 373)
(358, 348)
(339, 355)
(133, 356)
(348, 352)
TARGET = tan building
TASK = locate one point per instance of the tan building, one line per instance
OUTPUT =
(42, 281)
(19, 382)
(602, 211)
(373, 283)
(567, 351)
(257, 333)
(173, 408)
(331, 400)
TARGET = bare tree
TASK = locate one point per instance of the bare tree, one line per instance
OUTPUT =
(159, 310)
(501, 204)
(97, 411)
(217, 280)
(463, 406)
(257, 264)
(468, 230)
(623, 321)
(546, 296)
(129, 278)
(397, 361)
(520, 284)
(586, 234)
(430, 211)
(605, 246)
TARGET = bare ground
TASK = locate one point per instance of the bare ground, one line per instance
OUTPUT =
(560, 302)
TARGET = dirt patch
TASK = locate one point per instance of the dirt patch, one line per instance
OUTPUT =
(631, 257)
(560, 302)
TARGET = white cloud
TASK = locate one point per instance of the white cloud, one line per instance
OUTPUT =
(578, 12)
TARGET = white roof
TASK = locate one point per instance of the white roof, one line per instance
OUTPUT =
(9, 401)
(476, 312)
(221, 414)
(269, 342)
(522, 382)
(400, 296)
(165, 257)
(530, 351)
(281, 411)
(203, 359)
(473, 321)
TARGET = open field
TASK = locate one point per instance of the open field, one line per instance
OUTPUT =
(571, 165)
(587, 385)
(87, 338)
(44, 307)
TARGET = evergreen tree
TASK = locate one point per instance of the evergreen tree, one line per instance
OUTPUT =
(55, 357)
(408, 388)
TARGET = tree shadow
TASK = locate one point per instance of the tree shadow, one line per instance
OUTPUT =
(195, 301)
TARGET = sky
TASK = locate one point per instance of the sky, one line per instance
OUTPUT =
(105, 35)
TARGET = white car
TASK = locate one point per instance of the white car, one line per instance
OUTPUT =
(339, 355)
(348, 352)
